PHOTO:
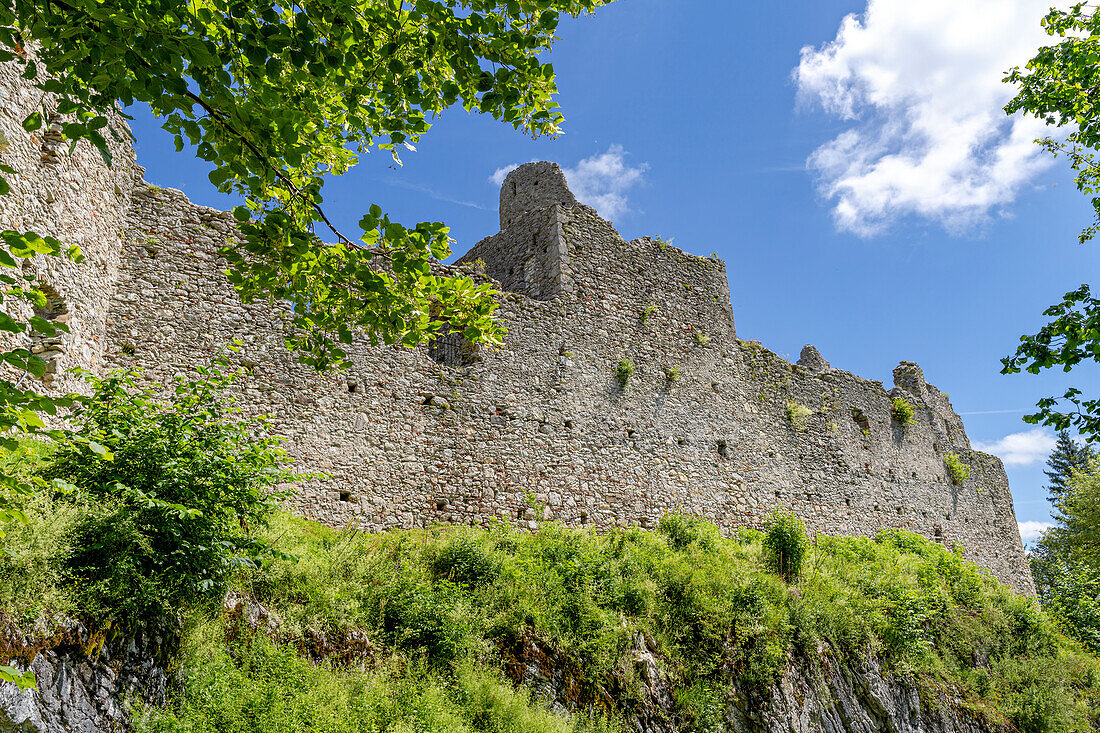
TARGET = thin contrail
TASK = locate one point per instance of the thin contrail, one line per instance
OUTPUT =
(996, 412)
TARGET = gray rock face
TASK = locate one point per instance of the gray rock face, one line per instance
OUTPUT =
(84, 681)
(820, 695)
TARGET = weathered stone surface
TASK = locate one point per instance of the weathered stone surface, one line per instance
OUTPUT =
(84, 680)
(813, 695)
(452, 433)
(811, 359)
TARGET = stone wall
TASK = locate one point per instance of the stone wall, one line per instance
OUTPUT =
(76, 198)
(542, 429)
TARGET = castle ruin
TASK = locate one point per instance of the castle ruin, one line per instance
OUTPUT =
(542, 429)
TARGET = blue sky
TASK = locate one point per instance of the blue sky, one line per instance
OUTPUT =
(850, 162)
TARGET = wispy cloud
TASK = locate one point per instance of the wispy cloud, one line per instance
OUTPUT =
(920, 85)
(997, 412)
(601, 180)
(1030, 531)
(432, 193)
(1021, 449)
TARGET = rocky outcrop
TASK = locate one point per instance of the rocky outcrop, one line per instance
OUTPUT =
(825, 694)
(84, 679)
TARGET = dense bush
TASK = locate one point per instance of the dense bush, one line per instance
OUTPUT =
(785, 544)
(682, 530)
(161, 496)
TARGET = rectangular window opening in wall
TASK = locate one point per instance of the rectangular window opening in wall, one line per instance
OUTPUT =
(128, 349)
(440, 505)
(352, 387)
(345, 496)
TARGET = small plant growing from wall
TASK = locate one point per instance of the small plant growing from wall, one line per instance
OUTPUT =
(701, 337)
(623, 372)
(662, 243)
(785, 544)
(647, 313)
(902, 411)
(956, 469)
(672, 374)
(798, 414)
(480, 266)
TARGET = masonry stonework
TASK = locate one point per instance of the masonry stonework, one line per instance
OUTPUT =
(541, 429)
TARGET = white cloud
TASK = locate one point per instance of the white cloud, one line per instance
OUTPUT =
(601, 181)
(1030, 531)
(1021, 449)
(919, 84)
(498, 175)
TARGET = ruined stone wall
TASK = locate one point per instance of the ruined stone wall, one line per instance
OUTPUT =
(542, 429)
(76, 198)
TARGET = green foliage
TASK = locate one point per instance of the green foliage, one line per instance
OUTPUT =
(672, 374)
(1056, 88)
(441, 608)
(275, 99)
(956, 469)
(902, 411)
(684, 530)
(172, 514)
(252, 684)
(798, 415)
(701, 337)
(1071, 337)
(647, 313)
(624, 370)
(1068, 456)
(785, 544)
(1066, 560)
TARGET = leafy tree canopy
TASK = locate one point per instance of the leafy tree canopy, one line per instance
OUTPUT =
(1059, 86)
(276, 97)
(1071, 337)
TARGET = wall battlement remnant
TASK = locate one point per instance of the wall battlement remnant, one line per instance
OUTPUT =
(708, 424)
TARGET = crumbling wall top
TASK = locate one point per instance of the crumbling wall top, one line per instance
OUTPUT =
(531, 187)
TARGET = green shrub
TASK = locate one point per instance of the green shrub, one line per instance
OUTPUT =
(672, 374)
(785, 544)
(647, 313)
(701, 337)
(682, 530)
(902, 411)
(623, 372)
(956, 469)
(175, 489)
(798, 415)
(465, 562)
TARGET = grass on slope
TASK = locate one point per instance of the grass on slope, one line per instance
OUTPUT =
(438, 607)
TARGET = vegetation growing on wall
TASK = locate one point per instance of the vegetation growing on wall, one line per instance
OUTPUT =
(798, 415)
(902, 411)
(624, 370)
(956, 469)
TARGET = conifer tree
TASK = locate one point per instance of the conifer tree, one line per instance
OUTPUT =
(1067, 455)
